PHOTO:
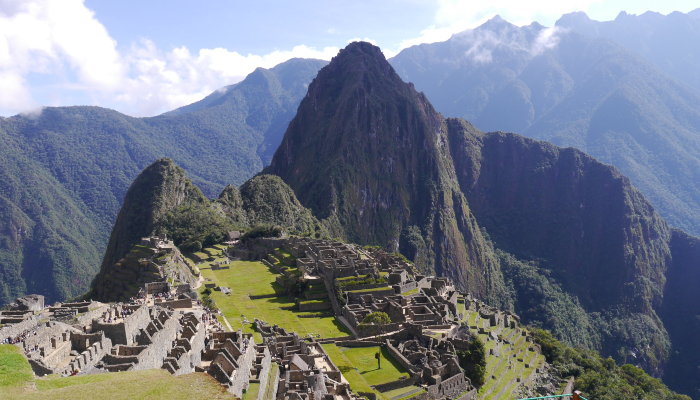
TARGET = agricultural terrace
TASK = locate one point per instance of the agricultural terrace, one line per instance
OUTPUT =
(515, 365)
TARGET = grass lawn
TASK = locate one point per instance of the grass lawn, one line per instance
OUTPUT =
(248, 277)
(363, 359)
(411, 292)
(357, 382)
(16, 382)
(397, 392)
(15, 372)
(252, 392)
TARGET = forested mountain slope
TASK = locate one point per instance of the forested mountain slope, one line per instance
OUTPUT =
(563, 87)
(67, 170)
(563, 239)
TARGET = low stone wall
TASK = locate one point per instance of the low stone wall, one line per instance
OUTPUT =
(364, 287)
(357, 343)
(405, 287)
(401, 383)
(319, 315)
(378, 294)
(265, 296)
(184, 303)
(400, 358)
(324, 305)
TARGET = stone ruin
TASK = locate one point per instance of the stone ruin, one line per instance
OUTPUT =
(234, 360)
(432, 363)
(306, 371)
(154, 260)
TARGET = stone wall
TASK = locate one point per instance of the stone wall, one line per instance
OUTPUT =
(19, 328)
(161, 342)
(399, 357)
(241, 377)
(314, 306)
(126, 331)
(183, 303)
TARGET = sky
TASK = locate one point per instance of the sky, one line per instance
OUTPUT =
(143, 58)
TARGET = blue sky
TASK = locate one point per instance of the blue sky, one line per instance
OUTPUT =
(146, 57)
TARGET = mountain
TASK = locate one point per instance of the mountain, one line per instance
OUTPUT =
(162, 200)
(368, 153)
(66, 171)
(550, 232)
(672, 41)
(560, 86)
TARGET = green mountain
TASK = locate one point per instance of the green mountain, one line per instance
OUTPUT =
(549, 232)
(66, 171)
(368, 153)
(571, 90)
(163, 200)
(672, 41)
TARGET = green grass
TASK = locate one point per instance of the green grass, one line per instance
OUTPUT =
(411, 292)
(363, 359)
(252, 392)
(15, 371)
(16, 378)
(399, 391)
(357, 382)
(246, 277)
(368, 290)
(221, 246)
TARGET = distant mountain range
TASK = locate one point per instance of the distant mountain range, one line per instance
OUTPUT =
(557, 85)
(65, 172)
(672, 41)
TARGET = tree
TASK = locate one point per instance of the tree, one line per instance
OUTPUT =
(473, 361)
(379, 318)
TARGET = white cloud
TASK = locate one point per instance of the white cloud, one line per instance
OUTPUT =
(63, 39)
(454, 16)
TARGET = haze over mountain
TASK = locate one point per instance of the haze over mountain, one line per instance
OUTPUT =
(563, 239)
(66, 171)
(592, 94)
(672, 41)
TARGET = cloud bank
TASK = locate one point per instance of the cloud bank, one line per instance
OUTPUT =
(455, 16)
(63, 39)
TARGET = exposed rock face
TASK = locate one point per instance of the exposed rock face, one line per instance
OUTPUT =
(368, 151)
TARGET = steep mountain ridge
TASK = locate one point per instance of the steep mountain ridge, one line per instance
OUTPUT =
(557, 85)
(365, 149)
